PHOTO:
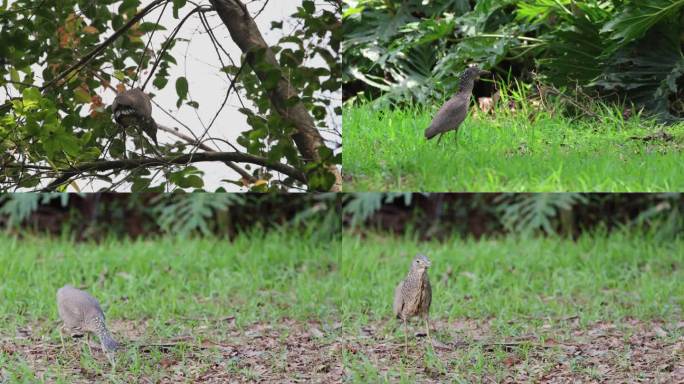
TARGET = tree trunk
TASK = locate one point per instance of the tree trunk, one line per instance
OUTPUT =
(244, 32)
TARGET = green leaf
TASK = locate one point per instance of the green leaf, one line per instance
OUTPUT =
(181, 90)
(81, 95)
(272, 76)
(148, 27)
(127, 5)
(140, 184)
(31, 97)
(14, 75)
(636, 19)
(182, 87)
(309, 6)
(177, 4)
(160, 82)
(119, 75)
(193, 181)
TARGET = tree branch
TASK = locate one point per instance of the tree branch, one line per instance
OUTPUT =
(244, 174)
(245, 33)
(69, 173)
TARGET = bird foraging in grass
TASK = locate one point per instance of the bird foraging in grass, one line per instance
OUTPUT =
(454, 111)
(413, 295)
(81, 313)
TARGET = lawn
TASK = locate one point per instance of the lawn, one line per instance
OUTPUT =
(385, 150)
(604, 308)
(286, 307)
(262, 307)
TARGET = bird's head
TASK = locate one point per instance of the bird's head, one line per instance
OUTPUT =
(420, 263)
(474, 73)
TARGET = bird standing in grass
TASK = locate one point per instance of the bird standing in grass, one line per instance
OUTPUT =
(454, 111)
(81, 313)
(413, 295)
(133, 108)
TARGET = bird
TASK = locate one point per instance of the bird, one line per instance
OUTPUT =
(413, 295)
(133, 108)
(453, 112)
(81, 313)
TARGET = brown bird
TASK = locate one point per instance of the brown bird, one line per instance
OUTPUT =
(454, 111)
(81, 313)
(133, 108)
(413, 295)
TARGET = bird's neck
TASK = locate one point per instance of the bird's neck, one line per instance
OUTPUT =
(466, 87)
(419, 276)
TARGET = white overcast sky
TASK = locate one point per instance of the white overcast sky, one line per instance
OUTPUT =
(197, 61)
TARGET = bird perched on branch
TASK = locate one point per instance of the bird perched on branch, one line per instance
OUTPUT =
(81, 313)
(454, 111)
(133, 109)
(413, 295)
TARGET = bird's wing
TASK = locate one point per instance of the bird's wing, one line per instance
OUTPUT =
(449, 117)
(398, 299)
(428, 299)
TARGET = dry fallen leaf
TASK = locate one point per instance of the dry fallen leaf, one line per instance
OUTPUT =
(91, 30)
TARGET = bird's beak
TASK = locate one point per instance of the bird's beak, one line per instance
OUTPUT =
(483, 72)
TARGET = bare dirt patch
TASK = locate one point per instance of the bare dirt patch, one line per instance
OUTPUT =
(288, 351)
(631, 351)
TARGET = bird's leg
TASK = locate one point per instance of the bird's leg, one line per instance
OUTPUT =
(110, 357)
(440, 138)
(61, 337)
(88, 343)
(141, 140)
(427, 329)
(405, 338)
(125, 155)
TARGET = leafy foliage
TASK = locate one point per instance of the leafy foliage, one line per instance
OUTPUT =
(317, 37)
(551, 214)
(405, 52)
(178, 214)
(183, 215)
(650, 71)
(18, 207)
(527, 213)
(59, 120)
(360, 206)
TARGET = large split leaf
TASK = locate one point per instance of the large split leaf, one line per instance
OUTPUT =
(637, 18)
(647, 71)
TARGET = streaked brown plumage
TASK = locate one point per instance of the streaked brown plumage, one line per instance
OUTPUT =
(454, 111)
(413, 295)
(81, 313)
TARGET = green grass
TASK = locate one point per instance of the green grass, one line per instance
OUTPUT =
(162, 291)
(282, 307)
(385, 150)
(509, 288)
